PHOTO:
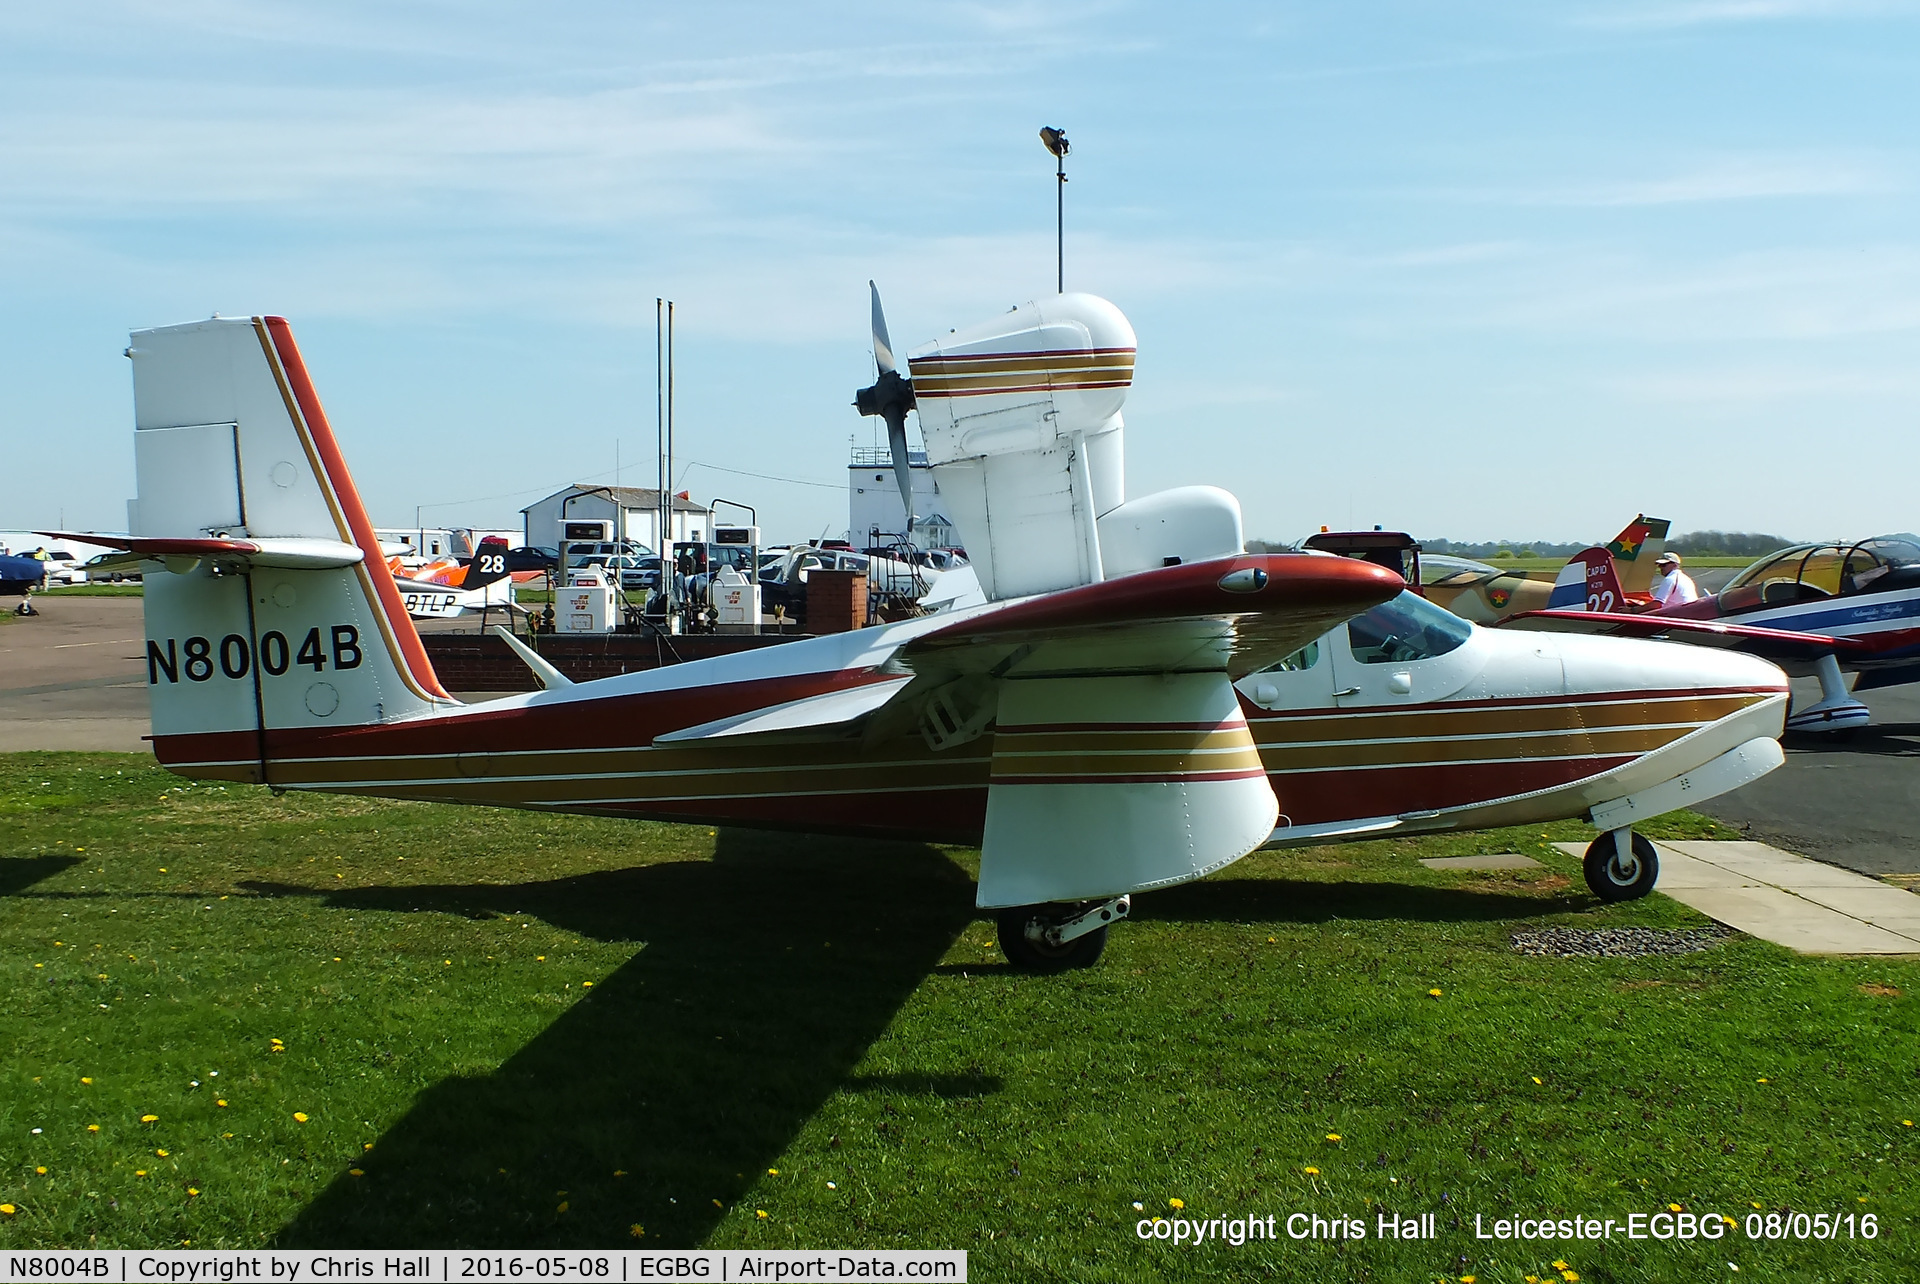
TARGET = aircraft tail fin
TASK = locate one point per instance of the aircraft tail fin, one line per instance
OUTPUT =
(1636, 549)
(1588, 583)
(278, 616)
(488, 565)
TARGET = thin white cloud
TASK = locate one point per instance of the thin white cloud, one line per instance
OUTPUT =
(1744, 177)
(1695, 13)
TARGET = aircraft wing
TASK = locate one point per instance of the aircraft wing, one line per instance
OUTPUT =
(1769, 644)
(1235, 614)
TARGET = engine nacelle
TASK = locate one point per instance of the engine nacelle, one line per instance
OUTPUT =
(1021, 420)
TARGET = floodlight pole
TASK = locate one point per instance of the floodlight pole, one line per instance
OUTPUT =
(1056, 142)
(1060, 223)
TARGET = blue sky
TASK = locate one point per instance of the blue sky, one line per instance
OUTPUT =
(1476, 270)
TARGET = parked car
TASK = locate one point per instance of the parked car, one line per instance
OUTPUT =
(532, 558)
(96, 574)
(635, 572)
(64, 568)
(584, 554)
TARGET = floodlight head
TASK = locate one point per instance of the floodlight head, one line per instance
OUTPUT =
(1055, 140)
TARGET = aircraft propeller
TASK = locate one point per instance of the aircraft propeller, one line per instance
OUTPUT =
(890, 397)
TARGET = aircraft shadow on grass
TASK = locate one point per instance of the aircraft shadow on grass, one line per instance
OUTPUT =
(18, 873)
(764, 976)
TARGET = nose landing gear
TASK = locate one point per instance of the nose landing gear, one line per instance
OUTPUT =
(1055, 938)
(1621, 866)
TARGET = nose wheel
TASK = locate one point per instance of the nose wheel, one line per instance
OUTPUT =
(1621, 866)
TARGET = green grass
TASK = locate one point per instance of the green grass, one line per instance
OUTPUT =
(836, 1011)
(95, 590)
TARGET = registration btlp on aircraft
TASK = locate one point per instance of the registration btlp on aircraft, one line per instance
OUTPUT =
(1129, 701)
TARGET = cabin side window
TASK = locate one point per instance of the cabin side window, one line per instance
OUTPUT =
(1406, 629)
(1305, 658)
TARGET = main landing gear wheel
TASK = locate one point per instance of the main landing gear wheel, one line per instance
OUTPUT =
(1614, 876)
(1025, 931)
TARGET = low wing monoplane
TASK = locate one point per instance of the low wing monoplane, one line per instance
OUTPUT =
(1824, 610)
(1130, 701)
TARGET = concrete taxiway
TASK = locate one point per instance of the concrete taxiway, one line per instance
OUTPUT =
(1805, 905)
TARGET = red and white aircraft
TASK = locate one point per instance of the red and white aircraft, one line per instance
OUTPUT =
(1129, 702)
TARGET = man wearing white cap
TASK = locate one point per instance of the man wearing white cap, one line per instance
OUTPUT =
(1674, 585)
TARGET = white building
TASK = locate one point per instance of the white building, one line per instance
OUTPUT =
(639, 508)
(874, 515)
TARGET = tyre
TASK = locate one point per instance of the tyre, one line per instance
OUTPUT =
(1612, 880)
(1038, 956)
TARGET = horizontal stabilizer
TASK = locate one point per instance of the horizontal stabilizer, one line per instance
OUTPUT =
(815, 713)
(289, 553)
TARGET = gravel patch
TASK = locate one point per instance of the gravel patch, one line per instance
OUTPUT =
(1617, 942)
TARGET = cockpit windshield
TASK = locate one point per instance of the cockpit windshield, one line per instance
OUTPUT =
(1405, 629)
(1808, 572)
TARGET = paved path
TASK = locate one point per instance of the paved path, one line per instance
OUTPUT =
(1854, 803)
(74, 676)
(1803, 904)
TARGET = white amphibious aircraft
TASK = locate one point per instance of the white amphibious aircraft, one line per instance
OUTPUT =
(1129, 702)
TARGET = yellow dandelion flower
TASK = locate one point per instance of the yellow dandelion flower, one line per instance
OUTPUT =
(356, 1172)
(85, 1079)
(299, 1117)
(1760, 1081)
(1467, 1279)
(93, 1127)
(1333, 1136)
(637, 1231)
(773, 1172)
(1536, 1078)
(586, 985)
(139, 1172)
(8, 1209)
(1435, 991)
(1176, 1203)
(1570, 1276)
(1559, 1266)
(193, 1190)
(162, 1153)
(1531, 1279)
(1861, 1199)
(1755, 1203)
(227, 1135)
(42, 1171)
(761, 1213)
(1311, 1171)
(539, 958)
(1906, 1123)
(366, 1145)
(220, 1101)
(1673, 1208)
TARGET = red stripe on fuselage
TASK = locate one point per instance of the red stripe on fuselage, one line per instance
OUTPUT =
(1316, 797)
(413, 654)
